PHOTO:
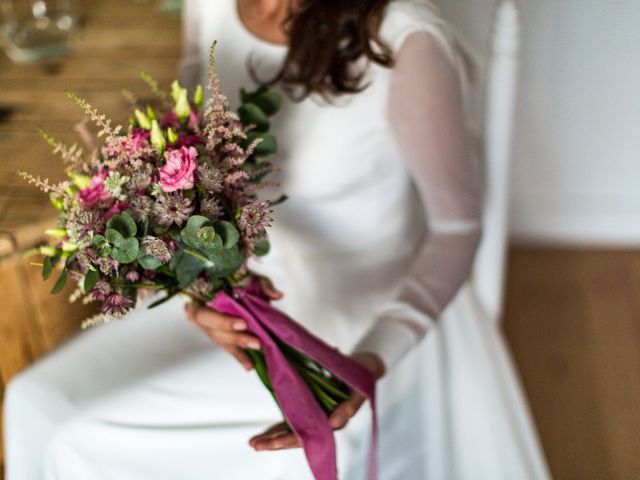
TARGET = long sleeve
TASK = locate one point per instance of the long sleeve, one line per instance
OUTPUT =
(427, 116)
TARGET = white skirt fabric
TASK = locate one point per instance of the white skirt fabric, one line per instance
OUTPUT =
(151, 398)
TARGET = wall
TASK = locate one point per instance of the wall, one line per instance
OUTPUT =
(577, 144)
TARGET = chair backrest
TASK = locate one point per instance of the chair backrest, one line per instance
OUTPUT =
(494, 26)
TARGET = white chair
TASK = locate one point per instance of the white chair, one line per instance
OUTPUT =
(496, 26)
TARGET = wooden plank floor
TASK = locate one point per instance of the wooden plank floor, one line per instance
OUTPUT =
(573, 322)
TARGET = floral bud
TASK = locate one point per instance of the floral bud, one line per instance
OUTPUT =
(172, 136)
(80, 181)
(183, 109)
(157, 137)
(56, 232)
(143, 120)
(198, 96)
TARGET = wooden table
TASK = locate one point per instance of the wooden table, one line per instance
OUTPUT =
(118, 39)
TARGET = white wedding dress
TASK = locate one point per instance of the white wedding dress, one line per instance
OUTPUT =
(373, 251)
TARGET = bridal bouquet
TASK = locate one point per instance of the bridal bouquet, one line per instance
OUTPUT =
(170, 204)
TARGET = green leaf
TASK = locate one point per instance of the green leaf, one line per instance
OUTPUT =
(60, 283)
(125, 251)
(114, 236)
(47, 268)
(229, 233)
(123, 223)
(251, 114)
(143, 228)
(189, 233)
(149, 262)
(99, 241)
(269, 102)
(268, 145)
(189, 269)
(262, 248)
(90, 280)
(226, 262)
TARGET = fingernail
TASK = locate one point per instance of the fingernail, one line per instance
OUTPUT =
(239, 326)
(253, 344)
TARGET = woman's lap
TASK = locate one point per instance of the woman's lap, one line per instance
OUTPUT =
(151, 382)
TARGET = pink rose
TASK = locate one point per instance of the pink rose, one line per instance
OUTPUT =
(95, 192)
(139, 139)
(178, 173)
(116, 209)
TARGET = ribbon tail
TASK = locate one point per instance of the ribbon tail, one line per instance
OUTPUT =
(300, 408)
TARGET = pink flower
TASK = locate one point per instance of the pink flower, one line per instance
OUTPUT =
(116, 209)
(178, 173)
(95, 192)
(188, 141)
(139, 138)
(170, 119)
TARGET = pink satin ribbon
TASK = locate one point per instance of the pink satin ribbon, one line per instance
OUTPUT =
(301, 410)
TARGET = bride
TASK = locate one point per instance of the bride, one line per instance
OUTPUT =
(372, 252)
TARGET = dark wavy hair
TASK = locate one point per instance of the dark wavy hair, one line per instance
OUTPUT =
(331, 43)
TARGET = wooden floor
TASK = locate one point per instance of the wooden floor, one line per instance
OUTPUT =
(573, 322)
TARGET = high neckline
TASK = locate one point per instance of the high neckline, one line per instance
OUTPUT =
(256, 38)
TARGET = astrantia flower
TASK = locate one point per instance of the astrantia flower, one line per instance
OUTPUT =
(201, 288)
(100, 291)
(157, 248)
(140, 179)
(117, 305)
(141, 207)
(177, 174)
(172, 208)
(211, 178)
(114, 183)
(132, 276)
(81, 222)
(254, 218)
(210, 207)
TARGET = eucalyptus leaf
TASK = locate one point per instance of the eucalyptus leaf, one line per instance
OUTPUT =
(125, 251)
(269, 102)
(60, 283)
(99, 241)
(229, 233)
(47, 268)
(123, 223)
(189, 233)
(268, 145)
(90, 280)
(226, 262)
(262, 248)
(149, 262)
(113, 236)
(252, 114)
(189, 269)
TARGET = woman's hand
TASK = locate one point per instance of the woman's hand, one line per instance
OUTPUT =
(279, 437)
(230, 332)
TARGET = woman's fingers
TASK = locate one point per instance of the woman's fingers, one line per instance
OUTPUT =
(242, 340)
(278, 437)
(271, 432)
(347, 409)
(269, 290)
(239, 355)
(211, 319)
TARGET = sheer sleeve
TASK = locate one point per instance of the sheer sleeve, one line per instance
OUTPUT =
(427, 116)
